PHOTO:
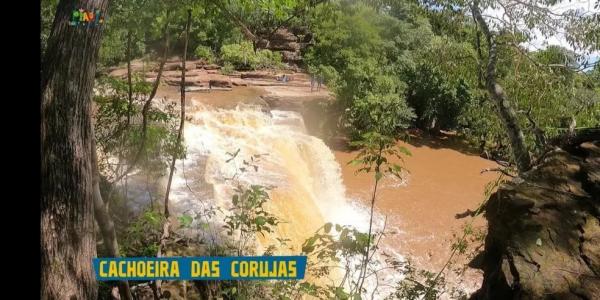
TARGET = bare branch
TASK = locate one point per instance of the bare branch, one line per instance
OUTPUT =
(503, 171)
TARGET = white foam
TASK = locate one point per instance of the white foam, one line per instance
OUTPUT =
(295, 162)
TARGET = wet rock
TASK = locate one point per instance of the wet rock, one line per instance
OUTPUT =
(171, 73)
(284, 45)
(190, 66)
(239, 83)
(194, 72)
(283, 34)
(191, 83)
(211, 67)
(201, 62)
(258, 75)
(176, 66)
(220, 83)
(173, 59)
(543, 231)
(172, 81)
(196, 89)
(289, 42)
(293, 56)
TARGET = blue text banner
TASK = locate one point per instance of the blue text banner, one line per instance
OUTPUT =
(201, 268)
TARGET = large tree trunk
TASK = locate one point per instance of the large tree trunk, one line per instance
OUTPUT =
(505, 110)
(67, 222)
(105, 223)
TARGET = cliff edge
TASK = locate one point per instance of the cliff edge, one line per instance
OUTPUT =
(543, 237)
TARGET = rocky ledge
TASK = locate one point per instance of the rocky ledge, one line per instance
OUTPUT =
(543, 237)
(290, 94)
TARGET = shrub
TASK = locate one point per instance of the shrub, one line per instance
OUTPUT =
(436, 99)
(227, 68)
(205, 53)
(329, 74)
(381, 109)
(382, 113)
(142, 235)
(241, 56)
(267, 59)
(115, 138)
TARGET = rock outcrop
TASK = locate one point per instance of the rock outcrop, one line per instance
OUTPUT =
(289, 42)
(221, 83)
(294, 93)
(543, 237)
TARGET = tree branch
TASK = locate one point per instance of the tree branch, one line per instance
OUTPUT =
(496, 92)
(148, 103)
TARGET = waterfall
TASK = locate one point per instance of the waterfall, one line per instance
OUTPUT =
(307, 189)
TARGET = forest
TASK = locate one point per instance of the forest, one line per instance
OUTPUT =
(248, 127)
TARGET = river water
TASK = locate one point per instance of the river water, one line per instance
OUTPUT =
(443, 182)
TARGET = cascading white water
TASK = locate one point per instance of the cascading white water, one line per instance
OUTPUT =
(307, 189)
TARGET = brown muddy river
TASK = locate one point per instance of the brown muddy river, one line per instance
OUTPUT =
(444, 181)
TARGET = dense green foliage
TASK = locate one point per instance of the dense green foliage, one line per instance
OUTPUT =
(359, 53)
(243, 57)
(142, 235)
(118, 135)
(205, 53)
(406, 59)
(437, 103)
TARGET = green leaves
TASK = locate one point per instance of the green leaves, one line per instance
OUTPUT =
(374, 152)
(242, 56)
(438, 101)
(360, 51)
(309, 245)
(379, 111)
(345, 240)
(333, 246)
(118, 133)
(260, 221)
(248, 214)
(205, 53)
(185, 221)
(142, 235)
